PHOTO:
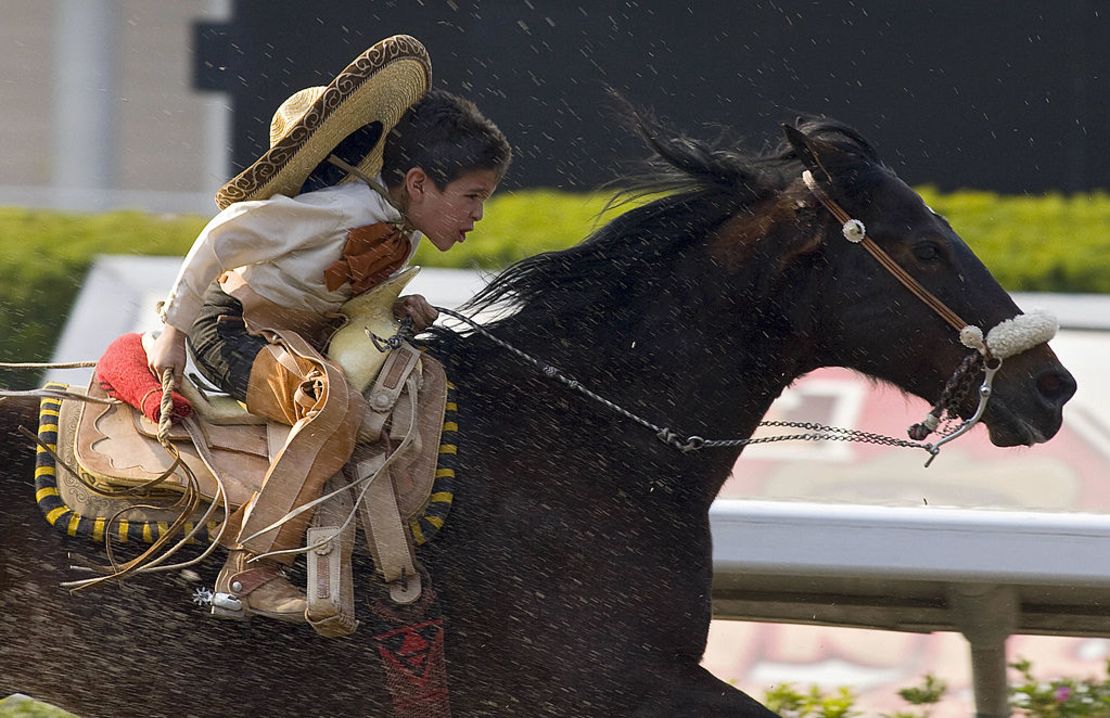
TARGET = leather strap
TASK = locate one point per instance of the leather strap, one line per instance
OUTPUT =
(942, 310)
(383, 394)
(244, 582)
(381, 521)
(406, 414)
(389, 542)
(330, 590)
(386, 533)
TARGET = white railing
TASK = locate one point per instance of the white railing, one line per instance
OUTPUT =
(986, 574)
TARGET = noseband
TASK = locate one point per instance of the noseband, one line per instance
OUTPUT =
(1006, 339)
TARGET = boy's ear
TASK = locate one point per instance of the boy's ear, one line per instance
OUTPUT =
(415, 181)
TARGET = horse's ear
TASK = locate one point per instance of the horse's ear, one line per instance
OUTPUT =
(806, 151)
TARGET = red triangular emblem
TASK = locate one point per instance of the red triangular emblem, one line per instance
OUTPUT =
(409, 649)
(413, 644)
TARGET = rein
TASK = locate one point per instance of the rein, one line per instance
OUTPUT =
(1008, 338)
(812, 430)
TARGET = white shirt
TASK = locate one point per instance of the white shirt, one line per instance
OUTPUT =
(281, 246)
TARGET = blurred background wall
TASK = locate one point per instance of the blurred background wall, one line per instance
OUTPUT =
(109, 103)
(98, 107)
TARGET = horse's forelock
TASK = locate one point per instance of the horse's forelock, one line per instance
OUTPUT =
(843, 137)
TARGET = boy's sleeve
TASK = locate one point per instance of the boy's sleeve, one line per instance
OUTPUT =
(244, 233)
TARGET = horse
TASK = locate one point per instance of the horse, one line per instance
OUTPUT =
(574, 571)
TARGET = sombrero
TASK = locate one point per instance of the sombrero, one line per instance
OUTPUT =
(375, 89)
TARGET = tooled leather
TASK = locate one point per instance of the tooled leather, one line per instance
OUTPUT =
(109, 446)
(386, 389)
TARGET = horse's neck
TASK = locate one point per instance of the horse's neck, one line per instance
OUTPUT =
(719, 382)
(675, 369)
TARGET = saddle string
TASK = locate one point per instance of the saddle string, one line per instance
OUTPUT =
(150, 561)
(220, 499)
(113, 568)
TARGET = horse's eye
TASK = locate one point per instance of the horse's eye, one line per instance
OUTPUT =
(926, 251)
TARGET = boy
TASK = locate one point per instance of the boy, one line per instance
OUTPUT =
(305, 228)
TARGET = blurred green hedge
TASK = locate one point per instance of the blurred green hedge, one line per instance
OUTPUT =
(1051, 243)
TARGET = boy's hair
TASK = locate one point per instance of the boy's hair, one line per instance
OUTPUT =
(446, 136)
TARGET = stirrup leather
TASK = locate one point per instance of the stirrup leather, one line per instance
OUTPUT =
(330, 587)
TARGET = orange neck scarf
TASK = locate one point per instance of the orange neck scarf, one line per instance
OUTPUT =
(371, 253)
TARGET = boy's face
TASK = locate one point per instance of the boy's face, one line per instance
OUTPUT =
(445, 217)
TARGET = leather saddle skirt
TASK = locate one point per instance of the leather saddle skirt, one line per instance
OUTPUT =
(114, 446)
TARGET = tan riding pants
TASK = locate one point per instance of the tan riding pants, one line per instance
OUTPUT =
(291, 383)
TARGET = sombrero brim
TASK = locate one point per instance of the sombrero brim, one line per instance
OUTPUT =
(378, 86)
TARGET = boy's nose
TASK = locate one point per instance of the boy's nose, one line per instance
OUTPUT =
(476, 213)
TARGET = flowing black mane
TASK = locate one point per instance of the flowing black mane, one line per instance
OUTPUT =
(626, 260)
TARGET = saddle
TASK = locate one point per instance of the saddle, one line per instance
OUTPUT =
(114, 446)
(228, 451)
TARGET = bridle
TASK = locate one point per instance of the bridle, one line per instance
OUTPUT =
(1006, 339)
(855, 232)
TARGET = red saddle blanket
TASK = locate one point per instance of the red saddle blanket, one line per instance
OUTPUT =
(123, 373)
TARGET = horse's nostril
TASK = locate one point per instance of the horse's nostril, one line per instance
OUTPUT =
(1056, 386)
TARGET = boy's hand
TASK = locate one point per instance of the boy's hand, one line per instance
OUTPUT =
(416, 308)
(168, 353)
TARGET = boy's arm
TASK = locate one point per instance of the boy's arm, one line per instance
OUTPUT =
(244, 233)
(168, 353)
(417, 308)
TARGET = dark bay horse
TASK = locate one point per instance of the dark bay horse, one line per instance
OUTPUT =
(574, 570)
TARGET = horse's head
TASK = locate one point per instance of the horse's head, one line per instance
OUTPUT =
(869, 320)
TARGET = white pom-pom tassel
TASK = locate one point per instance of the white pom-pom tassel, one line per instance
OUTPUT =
(1023, 332)
(854, 231)
(971, 337)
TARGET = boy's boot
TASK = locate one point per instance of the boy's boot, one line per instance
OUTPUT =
(325, 415)
(260, 588)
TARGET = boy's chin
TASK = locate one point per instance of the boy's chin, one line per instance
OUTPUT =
(442, 243)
